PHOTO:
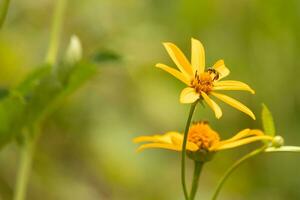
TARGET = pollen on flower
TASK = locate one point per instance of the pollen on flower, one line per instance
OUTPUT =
(202, 135)
(203, 82)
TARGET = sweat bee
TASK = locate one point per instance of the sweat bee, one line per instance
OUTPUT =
(214, 72)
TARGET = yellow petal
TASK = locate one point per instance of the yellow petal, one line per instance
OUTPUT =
(221, 68)
(212, 105)
(234, 103)
(231, 82)
(242, 134)
(232, 88)
(239, 135)
(244, 142)
(159, 146)
(179, 59)
(246, 133)
(177, 74)
(232, 85)
(178, 139)
(256, 132)
(198, 56)
(191, 146)
(146, 139)
(164, 138)
(189, 95)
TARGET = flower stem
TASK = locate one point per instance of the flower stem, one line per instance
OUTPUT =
(3, 11)
(235, 166)
(192, 109)
(55, 31)
(27, 152)
(197, 172)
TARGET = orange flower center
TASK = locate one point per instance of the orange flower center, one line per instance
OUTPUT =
(202, 135)
(203, 82)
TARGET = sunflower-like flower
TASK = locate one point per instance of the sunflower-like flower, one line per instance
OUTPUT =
(201, 137)
(202, 83)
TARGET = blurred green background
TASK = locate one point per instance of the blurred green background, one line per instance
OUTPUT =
(86, 150)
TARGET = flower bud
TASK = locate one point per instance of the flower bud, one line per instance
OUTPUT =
(74, 50)
(278, 141)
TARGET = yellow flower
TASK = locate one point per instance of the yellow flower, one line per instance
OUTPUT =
(201, 82)
(201, 137)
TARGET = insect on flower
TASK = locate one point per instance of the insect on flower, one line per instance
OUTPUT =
(203, 83)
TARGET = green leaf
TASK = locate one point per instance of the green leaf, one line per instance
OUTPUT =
(105, 56)
(53, 89)
(267, 121)
(13, 111)
(4, 92)
(283, 149)
(33, 79)
(80, 73)
(37, 96)
(40, 98)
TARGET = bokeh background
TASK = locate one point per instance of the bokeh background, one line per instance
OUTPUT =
(86, 150)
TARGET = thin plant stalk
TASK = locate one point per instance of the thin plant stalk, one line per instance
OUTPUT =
(197, 171)
(27, 153)
(24, 170)
(3, 11)
(233, 167)
(55, 31)
(183, 154)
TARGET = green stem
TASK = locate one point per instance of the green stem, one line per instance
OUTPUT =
(193, 106)
(55, 31)
(27, 152)
(197, 172)
(235, 166)
(3, 11)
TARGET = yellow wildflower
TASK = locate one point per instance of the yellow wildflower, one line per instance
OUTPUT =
(202, 83)
(201, 137)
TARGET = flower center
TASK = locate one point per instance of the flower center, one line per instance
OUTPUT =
(202, 135)
(203, 82)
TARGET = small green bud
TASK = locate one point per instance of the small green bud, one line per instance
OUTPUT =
(74, 50)
(278, 141)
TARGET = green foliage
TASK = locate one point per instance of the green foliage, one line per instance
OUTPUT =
(13, 105)
(11, 108)
(3, 92)
(267, 121)
(38, 95)
(33, 79)
(105, 56)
